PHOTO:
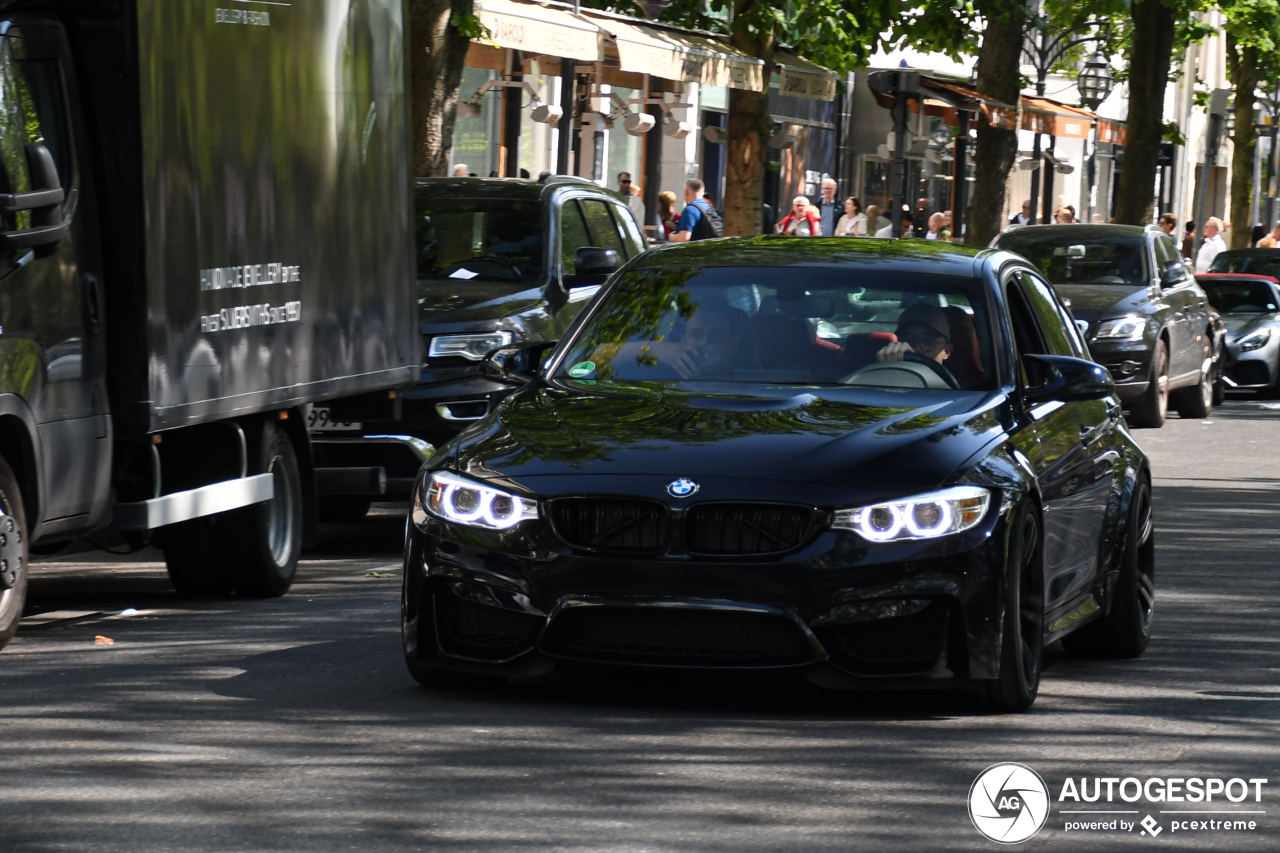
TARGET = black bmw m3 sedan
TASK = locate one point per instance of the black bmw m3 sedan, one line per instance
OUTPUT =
(873, 463)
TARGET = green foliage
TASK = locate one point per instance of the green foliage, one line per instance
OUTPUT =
(470, 26)
(1173, 133)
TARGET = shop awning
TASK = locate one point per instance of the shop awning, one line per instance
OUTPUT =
(539, 31)
(674, 55)
(1044, 116)
(800, 78)
(946, 98)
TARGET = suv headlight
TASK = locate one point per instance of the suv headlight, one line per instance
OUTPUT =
(925, 516)
(471, 347)
(467, 502)
(1127, 328)
(1254, 340)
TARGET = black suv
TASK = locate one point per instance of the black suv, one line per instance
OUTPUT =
(500, 261)
(1140, 308)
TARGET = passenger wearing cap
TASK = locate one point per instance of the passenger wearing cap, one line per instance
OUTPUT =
(923, 330)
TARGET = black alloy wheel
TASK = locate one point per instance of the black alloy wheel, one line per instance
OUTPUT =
(1126, 630)
(13, 554)
(1022, 640)
(1197, 401)
(1150, 409)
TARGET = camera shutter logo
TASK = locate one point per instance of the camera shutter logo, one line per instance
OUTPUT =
(1008, 803)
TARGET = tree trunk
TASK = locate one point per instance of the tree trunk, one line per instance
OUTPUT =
(748, 142)
(997, 147)
(1242, 63)
(1150, 55)
(437, 51)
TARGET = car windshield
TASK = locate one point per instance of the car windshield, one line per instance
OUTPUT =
(1067, 258)
(479, 240)
(1257, 264)
(1239, 296)
(786, 325)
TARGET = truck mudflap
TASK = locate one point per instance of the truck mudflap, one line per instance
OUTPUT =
(194, 503)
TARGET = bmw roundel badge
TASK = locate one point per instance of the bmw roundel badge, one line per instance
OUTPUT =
(681, 488)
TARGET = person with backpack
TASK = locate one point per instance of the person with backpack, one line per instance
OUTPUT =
(698, 220)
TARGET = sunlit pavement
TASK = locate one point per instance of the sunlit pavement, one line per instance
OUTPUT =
(291, 724)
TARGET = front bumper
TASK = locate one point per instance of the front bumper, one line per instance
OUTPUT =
(839, 609)
(1129, 363)
(1254, 370)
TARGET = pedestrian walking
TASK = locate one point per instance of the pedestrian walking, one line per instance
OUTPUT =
(1168, 223)
(666, 214)
(698, 220)
(802, 220)
(1188, 239)
(937, 229)
(1212, 245)
(828, 208)
(632, 193)
(854, 221)
(1023, 218)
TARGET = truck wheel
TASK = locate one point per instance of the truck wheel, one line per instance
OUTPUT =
(1149, 410)
(13, 555)
(1197, 401)
(343, 509)
(267, 541)
(195, 558)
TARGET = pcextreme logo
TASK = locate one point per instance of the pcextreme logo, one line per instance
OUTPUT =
(1008, 803)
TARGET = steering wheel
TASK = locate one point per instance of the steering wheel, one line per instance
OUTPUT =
(936, 367)
(908, 373)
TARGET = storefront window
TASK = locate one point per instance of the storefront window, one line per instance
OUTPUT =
(475, 140)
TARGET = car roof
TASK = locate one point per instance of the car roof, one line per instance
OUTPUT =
(771, 250)
(1086, 231)
(508, 188)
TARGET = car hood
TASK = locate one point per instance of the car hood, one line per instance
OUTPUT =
(1093, 302)
(797, 443)
(1239, 325)
(441, 302)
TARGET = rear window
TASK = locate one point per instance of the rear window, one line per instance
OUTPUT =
(1082, 259)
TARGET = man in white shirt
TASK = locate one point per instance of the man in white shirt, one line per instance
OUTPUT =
(1212, 245)
(634, 201)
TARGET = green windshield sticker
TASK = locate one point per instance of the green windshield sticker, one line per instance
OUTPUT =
(582, 368)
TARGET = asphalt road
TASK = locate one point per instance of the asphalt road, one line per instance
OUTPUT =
(291, 724)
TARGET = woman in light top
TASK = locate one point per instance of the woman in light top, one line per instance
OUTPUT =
(854, 221)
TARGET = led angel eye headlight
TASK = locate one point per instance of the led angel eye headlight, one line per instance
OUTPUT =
(928, 516)
(469, 503)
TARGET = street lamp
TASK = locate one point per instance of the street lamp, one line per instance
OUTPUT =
(1095, 84)
(1095, 81)
(1042, 49)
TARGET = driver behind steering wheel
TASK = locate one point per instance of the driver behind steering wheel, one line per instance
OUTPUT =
(923, 332)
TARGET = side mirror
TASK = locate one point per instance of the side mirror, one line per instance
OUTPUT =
(518, 364)
(1068, 379)
(1172, 274)
(44, 201)
(592, 265)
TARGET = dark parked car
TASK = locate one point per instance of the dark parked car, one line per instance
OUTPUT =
(1256, 261)
(1142, 313)
(500, 261)
(697, 477)
(1250, 309)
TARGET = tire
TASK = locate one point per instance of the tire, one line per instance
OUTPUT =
(1196, 402)
(1219, 387)
(1126, 630)
(1150, 409)
(14, 554)
(265, 552)
(1022, 635)
(343, 509)
(251, 551)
